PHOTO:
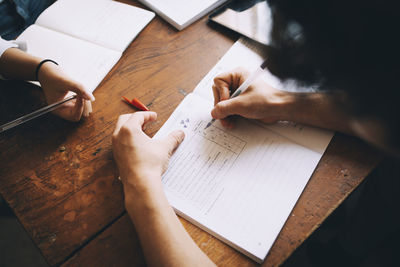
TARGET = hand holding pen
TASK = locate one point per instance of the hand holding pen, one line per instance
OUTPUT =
(66, 97)
(258, 101)
(57, 86)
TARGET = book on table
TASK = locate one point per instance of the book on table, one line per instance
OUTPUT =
(86, 38)
(182, 13)
(252, 19)
(239, 185)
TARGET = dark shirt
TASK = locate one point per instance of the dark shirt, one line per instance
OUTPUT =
(17, 15)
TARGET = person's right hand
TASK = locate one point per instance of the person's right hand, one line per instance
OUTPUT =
(259, 101)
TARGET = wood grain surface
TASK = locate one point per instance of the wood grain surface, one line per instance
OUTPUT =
(61, 181)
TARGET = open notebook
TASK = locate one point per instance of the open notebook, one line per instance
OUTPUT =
(87, 38)
(239, 185)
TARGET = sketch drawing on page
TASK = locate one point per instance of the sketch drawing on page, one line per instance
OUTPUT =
(206, 155)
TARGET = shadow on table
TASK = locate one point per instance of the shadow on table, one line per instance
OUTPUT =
(16, 248)
(363, 231)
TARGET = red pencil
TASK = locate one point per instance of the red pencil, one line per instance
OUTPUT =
(136, 103)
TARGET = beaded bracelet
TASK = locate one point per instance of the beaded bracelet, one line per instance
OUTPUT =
(40, 65)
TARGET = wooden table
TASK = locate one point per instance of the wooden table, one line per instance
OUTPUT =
(61, 181)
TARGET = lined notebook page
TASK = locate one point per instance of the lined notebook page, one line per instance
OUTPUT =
(250, 55)
(83, 61)
(107, 23)
(240, 184)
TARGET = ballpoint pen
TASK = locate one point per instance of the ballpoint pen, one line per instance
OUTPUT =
(34, 114)
(244, 86)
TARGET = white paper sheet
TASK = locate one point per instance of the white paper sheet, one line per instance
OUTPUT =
(107, 23)
(83, 61)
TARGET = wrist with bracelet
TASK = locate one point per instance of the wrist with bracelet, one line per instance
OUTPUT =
(40, 65)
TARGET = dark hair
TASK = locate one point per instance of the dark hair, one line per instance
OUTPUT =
(348, 45)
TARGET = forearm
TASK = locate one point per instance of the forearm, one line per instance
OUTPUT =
(16, 64)
(317, 109)
(164, 240)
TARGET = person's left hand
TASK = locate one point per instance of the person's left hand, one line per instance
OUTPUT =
(57, 85)
(141, 160)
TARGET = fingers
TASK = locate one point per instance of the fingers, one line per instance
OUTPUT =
(226, 82)
(87, 108)
(121, 121)
(135, 121)
(223, 109)
(228, 122)
(77, 110)
(80, 90)
(81, 107)
(220, 90)
(139, 119)
(71, 110)
(173, 140)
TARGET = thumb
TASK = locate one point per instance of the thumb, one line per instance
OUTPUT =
(173, 140)
(223, 109)
(80, 90)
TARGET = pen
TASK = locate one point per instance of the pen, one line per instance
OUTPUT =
(136, 103)
(244, 86)
(34, 114)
